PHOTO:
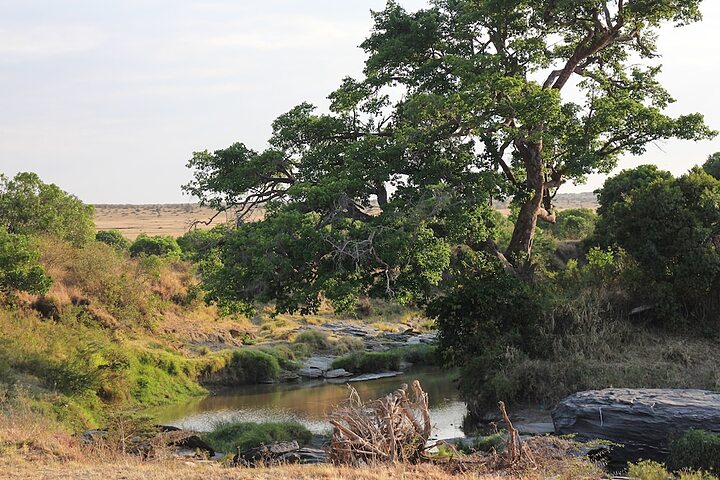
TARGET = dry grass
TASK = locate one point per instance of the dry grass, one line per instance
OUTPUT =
(170, 219)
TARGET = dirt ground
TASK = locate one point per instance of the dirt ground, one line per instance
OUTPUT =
(168, 219)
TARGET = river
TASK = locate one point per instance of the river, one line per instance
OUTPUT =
(309, 403)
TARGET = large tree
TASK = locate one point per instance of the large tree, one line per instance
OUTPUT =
(461, 102)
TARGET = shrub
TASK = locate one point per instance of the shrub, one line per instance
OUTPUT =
(30, 207)
(573, 224)
(113, 238)
(19, 265)
(369, 362)
(232, 437)
(160, 245)
(486, 315)
(647, 470)
(712, 165)
(198, 244)
(247, 367)
(696, 450)
(317, 340)
(671, 227)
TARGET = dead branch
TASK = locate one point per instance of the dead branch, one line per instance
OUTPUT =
(393, 429)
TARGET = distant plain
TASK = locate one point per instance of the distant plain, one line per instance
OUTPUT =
(176, 219)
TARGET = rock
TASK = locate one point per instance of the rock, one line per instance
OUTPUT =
(265, 454)
(321, 363)
(305, 456)
(93, 436)
(310, 372)
(373, 376)
(337, 373)
(192, 442)
(642, 421)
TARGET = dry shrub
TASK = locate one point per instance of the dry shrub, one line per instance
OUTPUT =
(391, 429)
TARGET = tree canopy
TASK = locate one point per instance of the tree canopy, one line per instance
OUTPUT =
(671, 227)
(461, 102)
(712, 165)
(29, 206)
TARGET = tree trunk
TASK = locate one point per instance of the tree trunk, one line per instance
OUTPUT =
(521, 243)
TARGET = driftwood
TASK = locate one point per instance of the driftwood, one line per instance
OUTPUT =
(392, 429)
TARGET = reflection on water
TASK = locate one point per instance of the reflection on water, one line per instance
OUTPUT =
(309, 403)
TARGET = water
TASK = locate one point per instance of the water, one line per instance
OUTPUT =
(309, 403)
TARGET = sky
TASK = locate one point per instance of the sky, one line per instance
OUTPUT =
(109, 98)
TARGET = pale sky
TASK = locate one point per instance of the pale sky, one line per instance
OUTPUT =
(109, 99)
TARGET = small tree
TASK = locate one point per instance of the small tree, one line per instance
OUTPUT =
(29, 206)
(113, 238)
(19, 266)
(160, 245)
(671, 227)
(712, 165)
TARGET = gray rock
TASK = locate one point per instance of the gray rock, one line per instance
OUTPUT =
(321, 363)
(310, 372)
(337, 373)
(373, 376)
(642, 421)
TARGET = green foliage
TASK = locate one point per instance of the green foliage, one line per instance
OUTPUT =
(30, 207)
(649, 470)
(198, 244)
(488, 314)
(113, 238)
(696, 450)
(434, 95)
(246, 367)
(159, 245)
(369, 362)
(232, 437)
(671, 227)
(390, 360)
(20, 269)
(712, 165)
(315, 339)
(573, 224)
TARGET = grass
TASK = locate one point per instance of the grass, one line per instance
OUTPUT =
(245, 367)
(232, 437)
(696, 450)
(391, 360)
(648, 470)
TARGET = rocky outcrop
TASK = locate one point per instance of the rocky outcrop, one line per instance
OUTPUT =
(279, 453)
(643, 422)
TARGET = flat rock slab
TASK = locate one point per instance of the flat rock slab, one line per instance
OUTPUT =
(643, 421)
(337, 373)
(321, 363)
(373, 376)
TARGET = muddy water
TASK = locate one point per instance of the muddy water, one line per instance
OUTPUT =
(310, 402)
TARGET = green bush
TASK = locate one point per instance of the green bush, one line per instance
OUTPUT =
(198, 244)
(247, 367)
(712, 165)
(232, 437)
(160, 245)
(671, 227)
(19, 265)
(30, 207)
(487, 315)
(573, 224)
(113, 238)
(369, 362)
(696, 450)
